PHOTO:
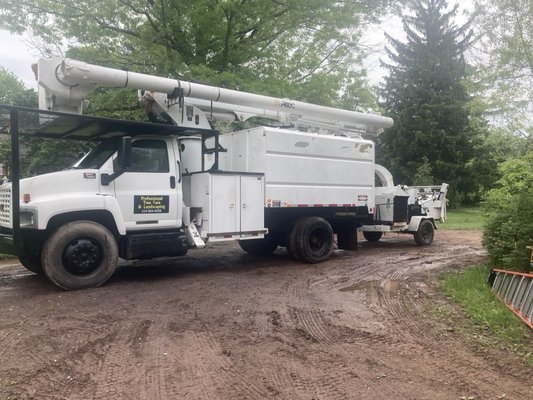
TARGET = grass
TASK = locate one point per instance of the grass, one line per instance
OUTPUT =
(490, 322)
(6, 256)
(464, 219)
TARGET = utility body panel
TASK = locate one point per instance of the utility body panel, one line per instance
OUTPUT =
(304, 169)
(231, 204)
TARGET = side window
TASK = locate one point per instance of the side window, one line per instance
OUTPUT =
(149, 155)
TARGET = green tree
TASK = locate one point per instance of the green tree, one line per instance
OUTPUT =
(13, 91)
(37, 155)
(433, 137)
(305, 49)
(509, 228)
(505, 67)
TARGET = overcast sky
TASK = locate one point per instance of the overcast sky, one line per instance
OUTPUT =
(17, 55)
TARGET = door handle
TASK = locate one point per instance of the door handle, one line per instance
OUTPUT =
(173, 182)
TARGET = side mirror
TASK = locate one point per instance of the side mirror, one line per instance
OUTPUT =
(124, 153)
(123, 161)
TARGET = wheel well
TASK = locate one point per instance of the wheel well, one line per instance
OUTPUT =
(101, 217)
(282, 219)
(432, 220)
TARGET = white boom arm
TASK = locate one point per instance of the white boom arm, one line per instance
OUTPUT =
(65, 83)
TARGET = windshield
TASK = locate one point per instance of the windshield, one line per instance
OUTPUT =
(98, 156)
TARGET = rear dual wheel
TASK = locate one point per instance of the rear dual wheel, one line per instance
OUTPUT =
(311, 240)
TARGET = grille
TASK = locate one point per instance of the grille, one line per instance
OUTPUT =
(5, 208)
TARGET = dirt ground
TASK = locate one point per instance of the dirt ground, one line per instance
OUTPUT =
(220, 324)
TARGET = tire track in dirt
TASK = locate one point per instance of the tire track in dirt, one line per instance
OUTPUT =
(201, 361)
(326, 384)
(10, 337)
(67, 374)
(211, 372)
(138, 365)
(290, 375)
(296, 288)
(315, 326)
(61, 358)
(158, 360)
(223, 325)
(407, 309)
(407, 316)
(121, 370)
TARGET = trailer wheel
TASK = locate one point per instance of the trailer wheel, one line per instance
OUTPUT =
(313, 237)
(79, 255)
(425, 233)
(372, 236)
(259, 247)
(32, 262)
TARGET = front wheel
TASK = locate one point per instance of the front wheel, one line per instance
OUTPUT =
(79, 255)
(425, 233)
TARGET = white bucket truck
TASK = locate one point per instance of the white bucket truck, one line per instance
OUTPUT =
(160, 188)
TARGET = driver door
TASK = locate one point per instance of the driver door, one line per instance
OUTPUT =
(149, 192)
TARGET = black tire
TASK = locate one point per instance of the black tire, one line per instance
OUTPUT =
(425, 233)
(288, 244)
(259, 247)
(32, 262)
(80, 255)
(182, 252)
(372, 236)
(313, 237)
(292, 249)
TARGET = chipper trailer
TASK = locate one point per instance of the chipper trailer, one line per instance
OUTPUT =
(159, 188)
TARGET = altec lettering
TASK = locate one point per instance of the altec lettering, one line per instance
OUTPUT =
(287, 104)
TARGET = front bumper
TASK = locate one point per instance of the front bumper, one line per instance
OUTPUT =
(7, 244)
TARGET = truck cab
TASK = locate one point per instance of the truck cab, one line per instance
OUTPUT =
(125, 198)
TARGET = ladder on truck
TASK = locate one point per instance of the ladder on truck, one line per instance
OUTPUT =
(515, 289)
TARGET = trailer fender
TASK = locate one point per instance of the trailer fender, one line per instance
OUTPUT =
(415, 222)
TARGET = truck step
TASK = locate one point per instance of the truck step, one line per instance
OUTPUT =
(194, 237)
(515, 289)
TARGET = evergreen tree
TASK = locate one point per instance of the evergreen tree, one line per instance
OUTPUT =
(432, 140)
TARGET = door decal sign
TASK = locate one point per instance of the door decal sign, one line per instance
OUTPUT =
(148, 204)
